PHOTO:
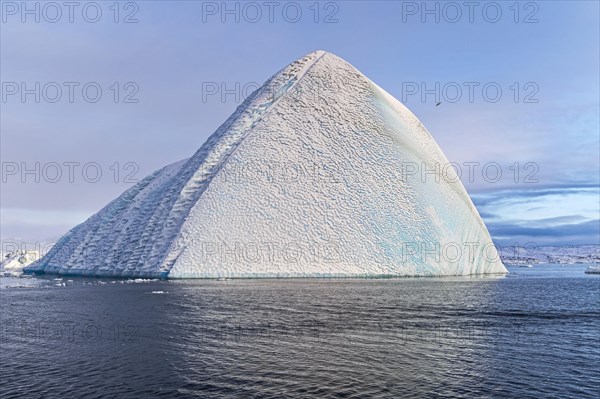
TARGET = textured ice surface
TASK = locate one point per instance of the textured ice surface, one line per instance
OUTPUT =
(309, 177)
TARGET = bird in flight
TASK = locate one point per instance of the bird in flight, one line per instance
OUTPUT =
(437, 104)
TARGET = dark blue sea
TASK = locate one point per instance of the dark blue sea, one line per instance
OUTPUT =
(532, 334)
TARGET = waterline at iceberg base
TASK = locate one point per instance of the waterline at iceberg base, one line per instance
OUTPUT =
(348, 211)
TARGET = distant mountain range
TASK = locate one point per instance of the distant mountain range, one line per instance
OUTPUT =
(551, 254)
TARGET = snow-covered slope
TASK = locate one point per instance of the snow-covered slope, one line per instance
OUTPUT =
(307, 178)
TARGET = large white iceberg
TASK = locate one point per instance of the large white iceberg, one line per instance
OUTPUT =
(320, 172)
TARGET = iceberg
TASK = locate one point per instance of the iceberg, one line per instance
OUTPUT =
(314, 175)
(13, 263)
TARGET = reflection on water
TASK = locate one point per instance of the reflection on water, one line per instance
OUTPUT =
(534, 333)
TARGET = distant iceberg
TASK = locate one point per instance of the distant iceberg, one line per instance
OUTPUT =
(13, 263)
(312, 176)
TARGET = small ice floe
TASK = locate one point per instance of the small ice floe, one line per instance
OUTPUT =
(594, 269)
(159, 292)
(140, 280)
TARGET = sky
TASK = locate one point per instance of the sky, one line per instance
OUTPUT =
(95, 96)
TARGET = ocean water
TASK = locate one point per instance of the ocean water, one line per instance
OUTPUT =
(534, 333)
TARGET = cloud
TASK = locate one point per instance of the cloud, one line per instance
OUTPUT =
(591, 228)
(558, 234)
(552, 215)
(488, 197)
